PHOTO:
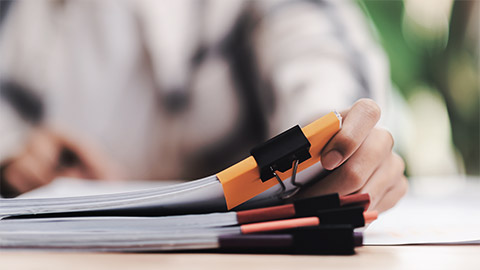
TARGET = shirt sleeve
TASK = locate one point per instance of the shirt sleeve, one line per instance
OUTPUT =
(316, 56)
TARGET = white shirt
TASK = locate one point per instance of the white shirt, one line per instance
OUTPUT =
(106, 70)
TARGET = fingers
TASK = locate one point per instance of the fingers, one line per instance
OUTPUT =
(361, 159)
(393, 195)
(85, 160)
(385, 178)
(357, 124)
(359, 168)
(49, 155)
(372, 169)
(33, 168)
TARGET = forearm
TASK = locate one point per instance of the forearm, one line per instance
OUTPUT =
(317, 57)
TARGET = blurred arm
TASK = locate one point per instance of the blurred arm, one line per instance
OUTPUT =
(317, 56)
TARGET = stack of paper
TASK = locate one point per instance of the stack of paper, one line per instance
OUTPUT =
(193, 215)
(143, 221)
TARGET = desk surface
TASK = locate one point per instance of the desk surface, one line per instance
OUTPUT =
(370, 257)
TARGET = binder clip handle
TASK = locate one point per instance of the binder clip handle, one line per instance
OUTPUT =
(282, 153)
(283, 193)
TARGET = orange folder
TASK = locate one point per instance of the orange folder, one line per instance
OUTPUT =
(242, 181)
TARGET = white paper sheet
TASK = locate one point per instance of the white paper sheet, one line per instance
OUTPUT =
(69, 187)
(450, 218)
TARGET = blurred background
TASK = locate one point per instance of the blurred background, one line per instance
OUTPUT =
(433, 48)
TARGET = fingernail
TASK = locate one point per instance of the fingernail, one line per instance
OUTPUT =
(331, 160)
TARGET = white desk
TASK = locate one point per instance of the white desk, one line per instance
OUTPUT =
(371, 258)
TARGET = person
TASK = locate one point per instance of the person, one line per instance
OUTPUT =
(183, 89)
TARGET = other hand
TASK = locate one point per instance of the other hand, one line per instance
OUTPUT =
(49, 154)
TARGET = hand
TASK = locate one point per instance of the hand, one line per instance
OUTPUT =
(362, 160)
(48, 155)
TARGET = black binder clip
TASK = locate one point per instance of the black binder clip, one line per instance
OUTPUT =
(281, 153)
